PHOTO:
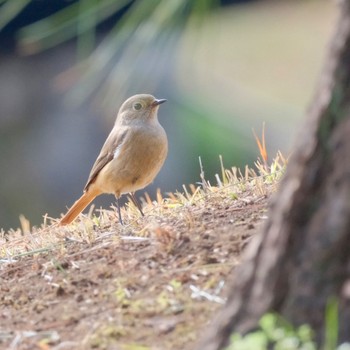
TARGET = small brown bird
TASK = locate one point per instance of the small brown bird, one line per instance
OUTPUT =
(131, 157)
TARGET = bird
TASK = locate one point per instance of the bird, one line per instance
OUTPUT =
(131, 157)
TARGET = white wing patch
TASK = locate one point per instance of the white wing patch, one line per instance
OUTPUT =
(117, 151)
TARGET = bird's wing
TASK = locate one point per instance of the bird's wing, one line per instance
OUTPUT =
(109, 151)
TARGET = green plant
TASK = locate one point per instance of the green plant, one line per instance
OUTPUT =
(145, 31)
(276, 333)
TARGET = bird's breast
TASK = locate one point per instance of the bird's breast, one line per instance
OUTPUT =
(137, 161)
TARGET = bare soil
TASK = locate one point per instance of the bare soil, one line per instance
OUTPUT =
(154, 283)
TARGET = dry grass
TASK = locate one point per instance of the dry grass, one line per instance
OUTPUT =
(231, 183)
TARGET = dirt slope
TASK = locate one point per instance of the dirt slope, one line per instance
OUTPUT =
(152, 284)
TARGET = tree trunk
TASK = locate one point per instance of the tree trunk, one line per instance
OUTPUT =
(302, 257)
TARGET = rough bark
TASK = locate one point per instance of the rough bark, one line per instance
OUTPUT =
(302, 257)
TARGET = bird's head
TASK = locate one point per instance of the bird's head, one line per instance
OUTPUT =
(139, 107)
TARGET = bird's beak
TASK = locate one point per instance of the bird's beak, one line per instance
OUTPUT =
(158, 102)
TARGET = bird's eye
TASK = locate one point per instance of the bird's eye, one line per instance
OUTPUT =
(137, 106)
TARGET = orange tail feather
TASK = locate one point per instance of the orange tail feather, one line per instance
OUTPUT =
(79, 206)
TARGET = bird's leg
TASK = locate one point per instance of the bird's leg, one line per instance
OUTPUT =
(136, 202)
(119, 212)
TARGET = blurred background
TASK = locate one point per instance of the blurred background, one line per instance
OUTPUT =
(225, 67)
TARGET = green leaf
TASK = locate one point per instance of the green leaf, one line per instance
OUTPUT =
(256, 341)
(10, 10)
(332, 326)
(66, 24)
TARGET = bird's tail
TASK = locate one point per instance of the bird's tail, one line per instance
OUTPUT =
(79, 206)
